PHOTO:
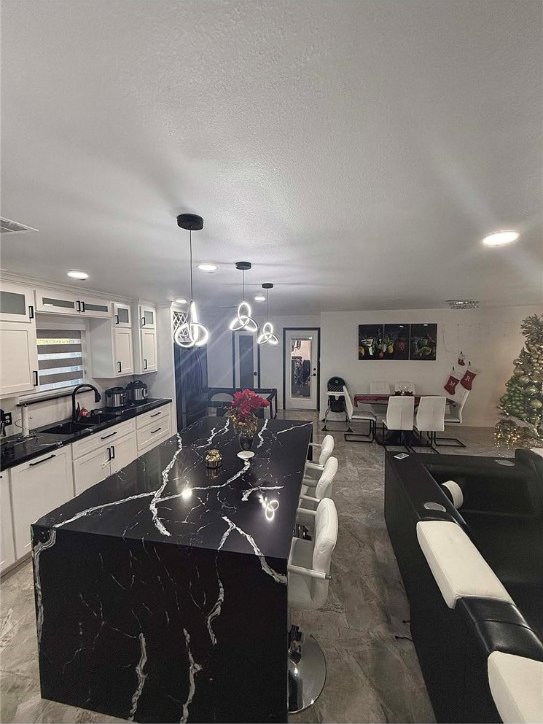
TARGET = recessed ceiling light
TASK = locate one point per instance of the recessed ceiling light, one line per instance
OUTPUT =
(180, 301)
(499, 238)
(207, 267)
(78, 274)
(260, 298)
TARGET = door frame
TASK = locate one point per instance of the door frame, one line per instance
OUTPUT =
(301, 329)
(234, 386)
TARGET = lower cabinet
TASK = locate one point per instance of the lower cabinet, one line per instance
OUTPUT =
(7, 550)
(37, 487)
(108, 458)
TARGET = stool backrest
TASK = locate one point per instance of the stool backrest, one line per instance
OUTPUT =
(348, 403)
(431, 414)
(400, 413)
(325, 538)
(380, 388)
(323, 489)
(327, 448)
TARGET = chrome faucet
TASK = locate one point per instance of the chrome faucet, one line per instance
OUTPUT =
(79, 388)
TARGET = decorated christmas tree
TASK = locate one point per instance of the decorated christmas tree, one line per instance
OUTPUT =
(521, 421)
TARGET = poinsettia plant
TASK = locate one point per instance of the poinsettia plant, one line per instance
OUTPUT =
(243, 408)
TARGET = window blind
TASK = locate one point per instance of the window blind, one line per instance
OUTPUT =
(60, 358)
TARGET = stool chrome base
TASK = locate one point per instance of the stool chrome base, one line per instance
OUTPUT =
(306, 672)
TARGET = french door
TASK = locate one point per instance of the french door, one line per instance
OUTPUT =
(246, 358)
(301, 369)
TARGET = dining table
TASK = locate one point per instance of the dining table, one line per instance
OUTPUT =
(380, 398)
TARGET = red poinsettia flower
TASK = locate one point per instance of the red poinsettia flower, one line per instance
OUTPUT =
(245, 403)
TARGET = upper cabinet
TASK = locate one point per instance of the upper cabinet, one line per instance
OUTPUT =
(55, 302)
(18, 350)
(16, 303)
(121, 315)
(145, 338)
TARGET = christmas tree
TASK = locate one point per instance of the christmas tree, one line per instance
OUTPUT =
(521, 423)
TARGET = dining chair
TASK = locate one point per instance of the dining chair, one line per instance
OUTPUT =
(405, 387)
(308, 582)
(311, 497)
(326, 477)
(380, 388)
(399, 417)
(358, 416)
(430, 418)
(454, 417)
(325, 449)
(225, 399)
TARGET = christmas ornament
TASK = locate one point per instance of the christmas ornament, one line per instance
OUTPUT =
(536, 404)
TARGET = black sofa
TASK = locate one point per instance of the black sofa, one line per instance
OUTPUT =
(502, 513)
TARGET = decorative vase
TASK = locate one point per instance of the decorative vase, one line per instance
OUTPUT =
(246, 440)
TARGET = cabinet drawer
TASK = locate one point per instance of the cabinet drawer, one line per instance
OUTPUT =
(104, 437)
(157, 429)
(153, 416)
(148, 443)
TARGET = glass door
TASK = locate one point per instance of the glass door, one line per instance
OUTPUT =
(301, 369)
(56, 302)
(16, 304)
(246, 374)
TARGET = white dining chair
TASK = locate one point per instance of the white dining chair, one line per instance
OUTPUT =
(405, 387)
(327, 476)
(430, 418)
(454, 417)
(313, 469)
(399, 417)
(308, 582)
(361, 415)
(380, 388)
(311, 497)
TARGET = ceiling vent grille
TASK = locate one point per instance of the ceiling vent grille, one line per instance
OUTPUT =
(7, 226)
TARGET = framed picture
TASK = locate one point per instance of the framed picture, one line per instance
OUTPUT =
(396, 341)
(423, 343)
(370, 341)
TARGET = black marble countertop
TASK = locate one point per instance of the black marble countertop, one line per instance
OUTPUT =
(169, 495)
(16, 449)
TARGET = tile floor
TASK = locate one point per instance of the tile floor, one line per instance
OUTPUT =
(373, 676)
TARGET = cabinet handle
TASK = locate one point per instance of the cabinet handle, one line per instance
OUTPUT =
(144, 364)
(108, 454)
(78, 305)
(105, 437)
(112, 452)
(156, 414)
(31, 465)
(120, 366)
(116, 319)
(30, 312)
(84, 308)
(35, 376)
(143, 321)
(157, 430)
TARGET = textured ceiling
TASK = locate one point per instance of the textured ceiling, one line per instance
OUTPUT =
(356, 152)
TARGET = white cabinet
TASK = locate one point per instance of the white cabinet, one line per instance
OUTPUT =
(38, 487)
(113, 449)
(16, 304)
(53, 301)
(7, 550)
(18, 358)
(121, 315)
(112, 351)
(145, 339)
(153, 428)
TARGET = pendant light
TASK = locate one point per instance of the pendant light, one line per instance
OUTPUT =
(243, 320)
(191, 333)
(267, 336)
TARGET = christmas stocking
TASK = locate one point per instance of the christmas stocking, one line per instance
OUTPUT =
(467, 380)
(451, 383)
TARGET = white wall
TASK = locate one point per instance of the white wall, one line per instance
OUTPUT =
(490, 339)
(219, 352)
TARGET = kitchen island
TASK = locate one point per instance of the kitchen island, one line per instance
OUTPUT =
(161, 592)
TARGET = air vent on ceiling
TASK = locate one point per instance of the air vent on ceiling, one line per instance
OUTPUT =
(8, 226)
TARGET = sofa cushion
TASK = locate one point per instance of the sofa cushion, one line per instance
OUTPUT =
(457, 566)
(516, 684)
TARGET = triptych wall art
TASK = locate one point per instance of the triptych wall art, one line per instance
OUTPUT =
(397, 341)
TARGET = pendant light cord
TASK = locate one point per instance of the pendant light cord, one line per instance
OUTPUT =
(190, 246)
(267, 305)
(243, 293)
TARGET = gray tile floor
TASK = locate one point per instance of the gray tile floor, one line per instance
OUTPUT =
(373, 676)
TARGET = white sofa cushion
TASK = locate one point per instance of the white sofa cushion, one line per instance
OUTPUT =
(516, 684)
(457, 566)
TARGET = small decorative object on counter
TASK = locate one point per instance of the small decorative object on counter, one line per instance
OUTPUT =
(242, 413)
(213, 459)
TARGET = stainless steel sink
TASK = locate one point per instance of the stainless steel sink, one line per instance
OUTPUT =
(69, 428)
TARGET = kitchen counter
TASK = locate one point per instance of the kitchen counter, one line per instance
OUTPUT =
(15, 449)
(161, 592)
